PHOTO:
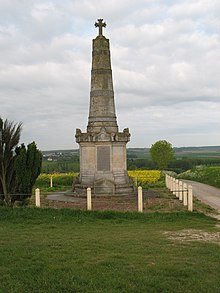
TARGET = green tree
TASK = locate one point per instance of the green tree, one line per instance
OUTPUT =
(27, 166)
(9, 139)
(162, 153)
(19, 167)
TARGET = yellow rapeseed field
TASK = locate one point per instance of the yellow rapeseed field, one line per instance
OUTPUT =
(145, 176)
(58, 179)
(139, 176)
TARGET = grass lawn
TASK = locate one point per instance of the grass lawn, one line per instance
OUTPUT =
(64, 250)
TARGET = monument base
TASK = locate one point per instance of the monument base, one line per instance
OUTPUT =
(103, 163)
(105, 186)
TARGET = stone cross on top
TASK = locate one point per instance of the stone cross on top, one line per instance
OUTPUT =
(100, 24)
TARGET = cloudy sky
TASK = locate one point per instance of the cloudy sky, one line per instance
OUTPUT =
(165, 60)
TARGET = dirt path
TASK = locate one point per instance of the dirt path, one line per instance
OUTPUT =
(206, 193)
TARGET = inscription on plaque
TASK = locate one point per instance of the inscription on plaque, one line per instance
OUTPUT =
(103, 158)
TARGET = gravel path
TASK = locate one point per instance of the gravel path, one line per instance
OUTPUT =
(206, 193)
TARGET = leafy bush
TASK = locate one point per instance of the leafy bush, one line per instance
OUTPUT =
(208, 175)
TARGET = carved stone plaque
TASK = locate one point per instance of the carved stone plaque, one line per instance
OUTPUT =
(103, 158)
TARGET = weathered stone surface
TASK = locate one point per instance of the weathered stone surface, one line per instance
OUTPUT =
(103, 163)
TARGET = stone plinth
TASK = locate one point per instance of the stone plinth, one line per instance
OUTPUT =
(103, 163)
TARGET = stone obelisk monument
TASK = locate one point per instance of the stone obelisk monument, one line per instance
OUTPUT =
(103, 163)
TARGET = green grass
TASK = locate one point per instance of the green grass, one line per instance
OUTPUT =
(50, 250)
(60, 182)
(207, 175)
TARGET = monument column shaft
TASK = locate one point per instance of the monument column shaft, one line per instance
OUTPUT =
(102, 106)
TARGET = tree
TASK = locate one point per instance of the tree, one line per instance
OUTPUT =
(27, 166)
(9, 139)
(162, 153)
(19, 167)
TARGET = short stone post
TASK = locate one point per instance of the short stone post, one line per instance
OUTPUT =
(37, 197)
(174, 186)
(184, 194)
(171, 184)
(140, 199)
(166, 180)
(180, 190)
(89, 199)
(177, 188)
(190, 198)
(51, 181)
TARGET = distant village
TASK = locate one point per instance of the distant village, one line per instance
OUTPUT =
(53, 156)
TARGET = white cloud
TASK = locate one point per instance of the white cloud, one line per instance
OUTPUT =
(165, 61)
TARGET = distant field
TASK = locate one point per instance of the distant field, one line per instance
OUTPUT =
(64, 161)
(61, 250)
(190, 152)
(207, 151)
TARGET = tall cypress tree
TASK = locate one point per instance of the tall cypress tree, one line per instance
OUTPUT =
(27, 167)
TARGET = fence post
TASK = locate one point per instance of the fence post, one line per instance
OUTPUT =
(180, 190)
(177, 188)
(37, 197)
(166, 181)
(89, 199)
(185, 194)
(51, 181)
(171, 184)
(190, 198)
(140, 199)
(174, 186)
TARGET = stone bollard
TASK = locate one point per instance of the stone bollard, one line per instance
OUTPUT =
(51, 181)
(171, 184)
(185, 194)
(37, 197)
(140, 199)
(174, 186)
(167, 181)
(180, 190)
(177, 188)
(190, 198)
(89, 199)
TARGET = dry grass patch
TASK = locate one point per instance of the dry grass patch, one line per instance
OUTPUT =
(187, 235)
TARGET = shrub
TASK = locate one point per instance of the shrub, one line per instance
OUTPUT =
(208, 175)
